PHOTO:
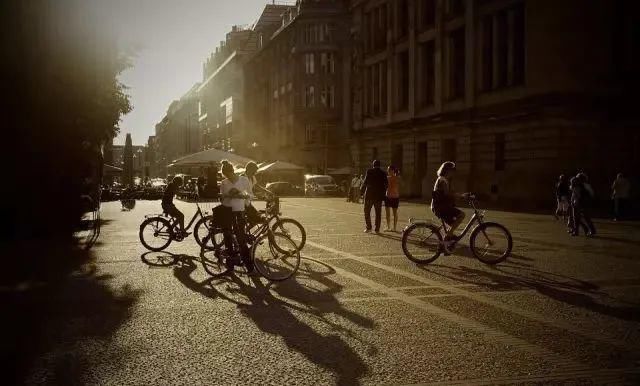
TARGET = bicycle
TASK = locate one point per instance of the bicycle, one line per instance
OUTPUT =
(287, 226)
(157, 231)
(275, 255)
(423, 242)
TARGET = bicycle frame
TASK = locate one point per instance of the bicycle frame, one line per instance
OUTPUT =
(477, 217)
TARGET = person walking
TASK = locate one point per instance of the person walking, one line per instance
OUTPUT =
(621, 189)
(562, 198)
(373, 189)
(581, 199)
(392, 198)
(352, 189)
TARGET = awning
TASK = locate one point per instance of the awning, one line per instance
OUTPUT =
(280, 166)
(208, 157)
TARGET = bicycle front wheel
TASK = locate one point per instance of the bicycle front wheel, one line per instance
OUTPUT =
(490, 243)
(155, 233)
(205, 227)
(275, 256)
(293, 229)
(421, 243)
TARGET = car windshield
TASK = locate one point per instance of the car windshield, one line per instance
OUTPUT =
(324, 180)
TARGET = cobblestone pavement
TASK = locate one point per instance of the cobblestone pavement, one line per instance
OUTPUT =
(561, 310)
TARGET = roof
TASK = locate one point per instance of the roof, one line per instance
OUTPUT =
(218, 70)
(272, 14)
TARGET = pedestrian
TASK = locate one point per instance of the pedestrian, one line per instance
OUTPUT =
(621, 190)
(562, 198)
(373, 189)
(353, 188)
(581, 200)
(392, 198)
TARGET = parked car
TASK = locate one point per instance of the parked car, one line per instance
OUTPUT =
(320, 185)
(282, 188)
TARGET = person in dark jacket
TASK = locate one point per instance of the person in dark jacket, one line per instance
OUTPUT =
(562, 198)
(374, 188)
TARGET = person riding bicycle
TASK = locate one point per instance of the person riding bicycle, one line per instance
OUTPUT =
(167, 203)
(443, 203)
(235, 192)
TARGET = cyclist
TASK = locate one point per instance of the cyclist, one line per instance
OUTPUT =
(250, 171)
(235, 192)
(167, 203)
(443, 203)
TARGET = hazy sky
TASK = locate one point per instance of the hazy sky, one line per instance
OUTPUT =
(175, 38)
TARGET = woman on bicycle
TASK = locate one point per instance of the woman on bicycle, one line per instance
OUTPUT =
(235, 191)
(169, 207)
(443, 202)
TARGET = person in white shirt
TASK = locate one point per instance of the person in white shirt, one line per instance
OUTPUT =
(235, 192)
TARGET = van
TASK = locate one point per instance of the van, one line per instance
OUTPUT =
(320, 185)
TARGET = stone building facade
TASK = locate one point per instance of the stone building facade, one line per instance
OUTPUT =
(178, 133)
(515, 91)
(296, 86)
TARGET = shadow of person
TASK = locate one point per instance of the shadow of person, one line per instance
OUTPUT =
(274, 317)
(564, 289)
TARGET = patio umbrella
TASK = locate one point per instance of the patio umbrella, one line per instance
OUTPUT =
(280, 166)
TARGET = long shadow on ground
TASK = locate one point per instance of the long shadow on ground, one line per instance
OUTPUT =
(55, 305)
(274, 315)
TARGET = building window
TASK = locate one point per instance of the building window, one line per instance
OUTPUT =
(375, 29)
(427, 14)
(402, 18)
(422, 161)
(454, 7)
(324, 32)
(309, 134)
(456, 56)
(403, 80)
(309, 63)
(503, 48)
(499, 152)
(427, 87)
(397, 156)
(449, 150)
(376, 89)
(327, 96)
(327, 63)
(309, 96)
(311, 32)
(487, 53)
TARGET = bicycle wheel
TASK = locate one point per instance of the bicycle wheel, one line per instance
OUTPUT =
(421, 243)
(275, 256)
(490, 243)
(213, 260)
(293, 229)
(155, 233)
(204, 227)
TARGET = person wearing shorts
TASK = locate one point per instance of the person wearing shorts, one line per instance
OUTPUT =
(443, 201)
(168, 206)
(392, 197)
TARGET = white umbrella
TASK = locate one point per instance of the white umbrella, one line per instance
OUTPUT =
(205, 158)
(280, 166)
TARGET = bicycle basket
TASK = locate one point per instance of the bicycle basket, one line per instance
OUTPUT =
(273, 207)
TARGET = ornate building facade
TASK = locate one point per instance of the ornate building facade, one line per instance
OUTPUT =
(515, 91)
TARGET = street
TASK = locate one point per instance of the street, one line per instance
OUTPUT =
(560, 310)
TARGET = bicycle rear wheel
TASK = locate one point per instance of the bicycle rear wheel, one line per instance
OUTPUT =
(490, 243)
(214, 260)
(275, 256)
(155, 233)
(421, 243)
